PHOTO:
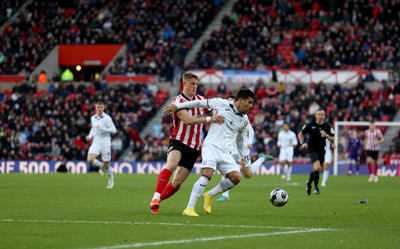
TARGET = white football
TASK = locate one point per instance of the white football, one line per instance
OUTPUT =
(278, 197)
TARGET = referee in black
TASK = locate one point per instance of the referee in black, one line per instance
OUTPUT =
(318, 131)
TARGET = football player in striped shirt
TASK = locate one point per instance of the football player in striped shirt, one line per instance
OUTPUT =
(185, 141)
(373, 137)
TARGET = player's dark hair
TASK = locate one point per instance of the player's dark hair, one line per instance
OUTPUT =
(320, 109)
(372, 121)
(244, 94)
(99, 103)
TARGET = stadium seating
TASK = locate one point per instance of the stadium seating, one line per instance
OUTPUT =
(52, 125)
(157, 33)
(256, 35)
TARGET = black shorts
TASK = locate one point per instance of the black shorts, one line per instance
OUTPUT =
(374, 154)
(188, 155)
(317, 156)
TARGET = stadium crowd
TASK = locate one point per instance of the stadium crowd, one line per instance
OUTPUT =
(157, 33)
(52, 125)
(309, 34)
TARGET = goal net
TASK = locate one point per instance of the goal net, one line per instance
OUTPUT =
(345, 129)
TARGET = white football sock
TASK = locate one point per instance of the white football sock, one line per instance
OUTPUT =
(197, 191)
(110, 174)
(222, 186)
(256, 165)
(289, 173)
(285, 169)
(98, 163)
(226, 193)
(325, 176)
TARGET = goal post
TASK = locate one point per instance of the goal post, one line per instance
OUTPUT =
(339, 124)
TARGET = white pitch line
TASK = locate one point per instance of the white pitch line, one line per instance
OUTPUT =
(243, 236)
(149, 223)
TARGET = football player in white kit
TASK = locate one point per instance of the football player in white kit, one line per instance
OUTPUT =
(102, 128)
(248, 170)
(287, 140)
(327, 162)
(218, 145)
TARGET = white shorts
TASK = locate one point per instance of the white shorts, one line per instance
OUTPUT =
(218, 160)
(328, 157)
(103, 149)
(286, 154)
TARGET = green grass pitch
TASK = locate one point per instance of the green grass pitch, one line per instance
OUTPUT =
(78, 212)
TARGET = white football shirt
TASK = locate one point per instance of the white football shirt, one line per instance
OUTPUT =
(287, 139)
(102, 128)
(223, 136)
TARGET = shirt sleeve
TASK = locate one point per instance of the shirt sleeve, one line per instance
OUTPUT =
(331, 131)
(305, 129)
(243, 153)
(294, 142)
(91, 133)
(205, 103)
(279, 139)
(109, 127)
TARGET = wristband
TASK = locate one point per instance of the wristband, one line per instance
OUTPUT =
(208, 119)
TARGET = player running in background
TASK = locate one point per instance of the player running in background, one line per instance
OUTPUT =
(373, 137)
(286, 142)
(102, 128)
(353, 151)
(318, 130)
(327, 161)
(216, 151)
(185, 142)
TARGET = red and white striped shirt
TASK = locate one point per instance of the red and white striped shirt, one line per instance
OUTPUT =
(188, 134)
(372, 136)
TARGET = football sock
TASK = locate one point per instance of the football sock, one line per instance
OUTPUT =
(168, 191)
(376, 168)
(226, 193)
(197, 191)
(369, 168)
(98, 163)
(110, 174)
(289, 173)
(357, 167)
(316, 178)
(256, 165)
(311, 179)
(162, 181)
(325, 176)
(285, 168)
(222, 186)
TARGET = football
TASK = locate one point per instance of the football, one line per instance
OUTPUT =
(278, 197)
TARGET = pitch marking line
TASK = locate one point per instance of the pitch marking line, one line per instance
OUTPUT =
(151, 223)
(207, 239)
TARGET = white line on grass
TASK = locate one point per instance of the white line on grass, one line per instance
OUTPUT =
(148, 223)
(243, 236)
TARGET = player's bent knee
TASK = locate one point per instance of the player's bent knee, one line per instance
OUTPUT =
(235, 178)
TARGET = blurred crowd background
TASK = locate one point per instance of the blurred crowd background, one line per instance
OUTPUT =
(52, 123)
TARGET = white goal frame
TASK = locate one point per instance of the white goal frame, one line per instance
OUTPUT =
(352, 123)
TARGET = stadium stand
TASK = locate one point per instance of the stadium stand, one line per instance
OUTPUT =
(53, 124)
(268, 34)
(158, 33)
(305, 34)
